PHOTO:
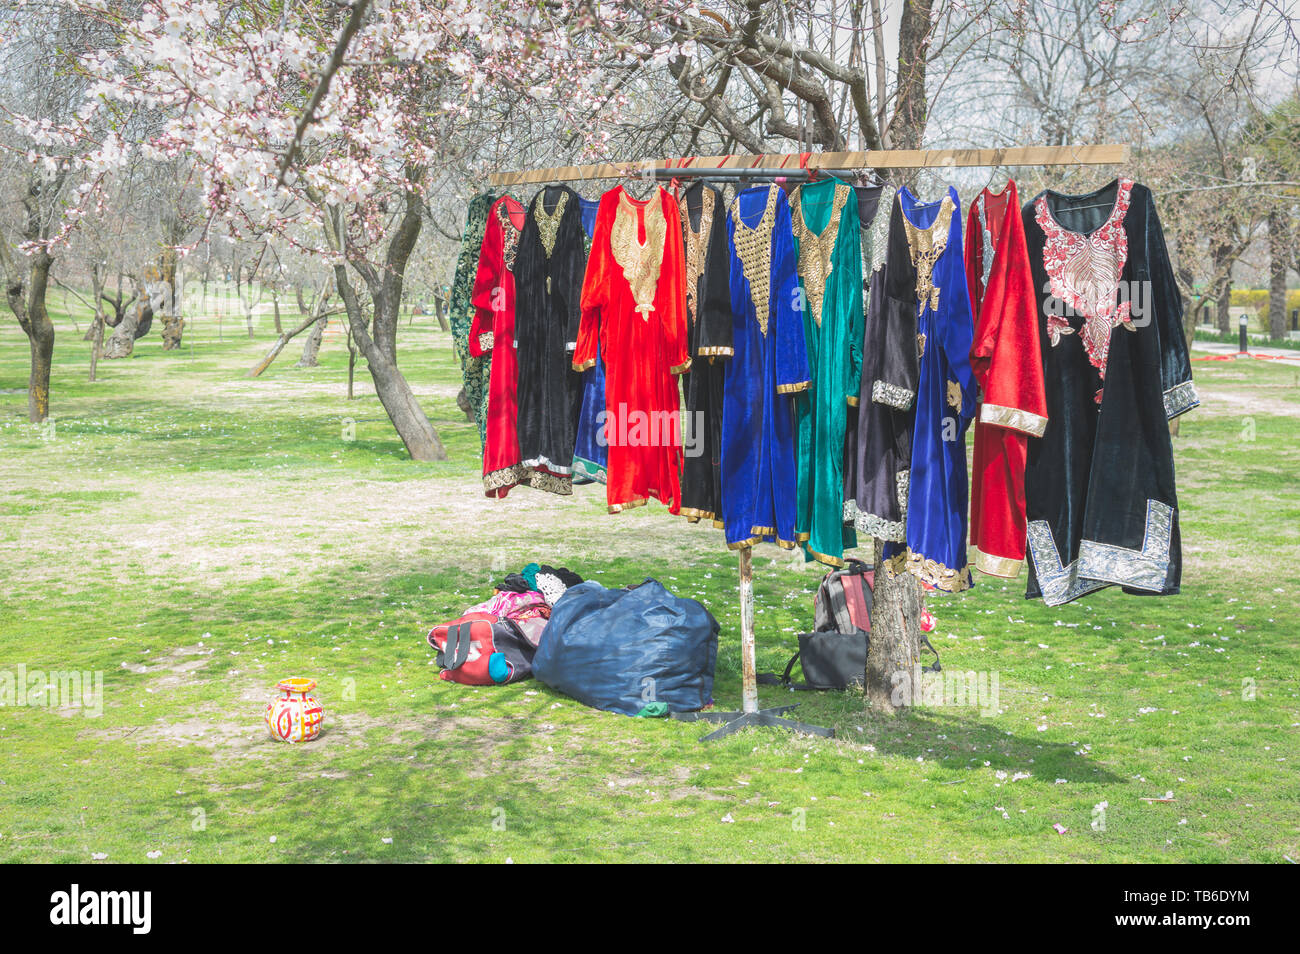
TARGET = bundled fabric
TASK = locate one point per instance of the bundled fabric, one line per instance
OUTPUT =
(481, 649)
(619, 650)
(552, 583)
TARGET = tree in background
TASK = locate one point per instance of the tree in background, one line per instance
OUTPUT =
(333, 117)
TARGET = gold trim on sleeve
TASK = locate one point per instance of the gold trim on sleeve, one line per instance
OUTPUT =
(1013, 418)
(793, 388)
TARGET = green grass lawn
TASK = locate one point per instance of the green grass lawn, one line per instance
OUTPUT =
(195, 536)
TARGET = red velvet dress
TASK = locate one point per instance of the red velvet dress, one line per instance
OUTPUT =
(493, 325)
(634, 308)
(1009, 370)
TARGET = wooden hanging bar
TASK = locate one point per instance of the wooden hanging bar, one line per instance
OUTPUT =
(1098, 155)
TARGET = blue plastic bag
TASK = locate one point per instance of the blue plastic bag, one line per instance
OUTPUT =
(618, 650)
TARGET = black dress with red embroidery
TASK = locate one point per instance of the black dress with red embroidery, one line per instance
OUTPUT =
(1101, 503)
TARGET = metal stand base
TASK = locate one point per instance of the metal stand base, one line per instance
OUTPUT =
(767, 718)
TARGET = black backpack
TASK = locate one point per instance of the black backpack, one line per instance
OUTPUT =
(834, 655)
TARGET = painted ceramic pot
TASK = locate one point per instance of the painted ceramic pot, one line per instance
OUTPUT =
(295, 716)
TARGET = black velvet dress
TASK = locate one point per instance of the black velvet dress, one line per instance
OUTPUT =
(890, 372)
(708, 316)
(1099, 484)
(549, 267)
(874, 207)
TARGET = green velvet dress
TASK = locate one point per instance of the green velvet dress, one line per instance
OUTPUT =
(474, 371)
(829, 252)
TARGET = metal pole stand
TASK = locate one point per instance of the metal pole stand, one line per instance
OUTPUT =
(750, 715)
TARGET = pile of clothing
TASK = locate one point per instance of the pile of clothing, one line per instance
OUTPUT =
(638, 650)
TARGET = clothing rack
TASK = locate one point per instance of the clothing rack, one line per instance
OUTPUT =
(796, 164)
(801, 166)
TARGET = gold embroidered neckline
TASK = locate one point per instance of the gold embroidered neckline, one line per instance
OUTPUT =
(548, 223)
(815, 251)
(640, 262)
(697, 243)
(754, 249)
(509, 234)
(925, 246)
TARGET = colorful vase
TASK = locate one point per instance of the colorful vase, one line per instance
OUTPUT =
(295, 716)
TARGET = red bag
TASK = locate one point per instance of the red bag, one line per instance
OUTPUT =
(480, 649)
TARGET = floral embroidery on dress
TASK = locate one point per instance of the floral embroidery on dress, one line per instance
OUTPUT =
(1084, 272)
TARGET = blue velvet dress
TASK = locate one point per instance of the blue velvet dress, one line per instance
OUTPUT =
(927, 274)
(591, 453)
(769, 366)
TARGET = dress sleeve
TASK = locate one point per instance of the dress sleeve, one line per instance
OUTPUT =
(1005, 356)
(791, 348)
(672, 299)
(595, 286)
(847, 276)
(898, 368)
(1167, 304)
(488, 296)
(713, 315)
(957, 329)
(573, 267)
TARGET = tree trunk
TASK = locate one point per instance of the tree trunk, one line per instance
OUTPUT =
(311, 347)
(27, 301)
(285, 337)
(122, 342)
(1278, 255)
(1222, 301)
(275, 304)
(380, 350)
(440, 306)
(894, 656)
(352, 362)
(173, 316)
(97, 325)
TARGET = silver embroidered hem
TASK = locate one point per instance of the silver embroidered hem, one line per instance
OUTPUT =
(1180, 399)
(1102, 564)
(883, 392)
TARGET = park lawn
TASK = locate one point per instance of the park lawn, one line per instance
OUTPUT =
(195, 536)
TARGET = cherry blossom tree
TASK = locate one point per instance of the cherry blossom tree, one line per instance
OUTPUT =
(336, 160)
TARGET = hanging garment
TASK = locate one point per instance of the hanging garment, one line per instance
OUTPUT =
(493, 334)
(634, 313)
(887, 397)
(1008, 368)
(876, 449)
(708, 318)
(930, 281)
(1099, 484)
(474, 370)
(828, 250)
(548, 279)
(768, 367)
(589, 454)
